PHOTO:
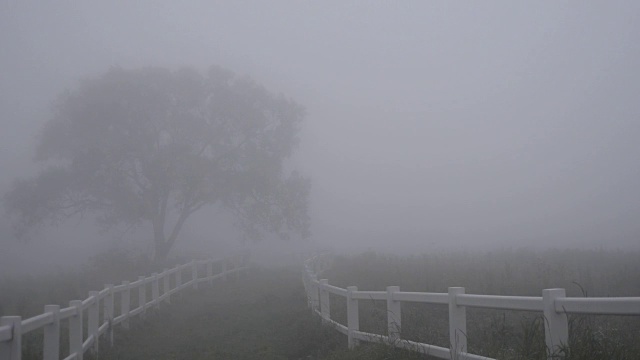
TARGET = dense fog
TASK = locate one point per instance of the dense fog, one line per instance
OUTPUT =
(429, 125)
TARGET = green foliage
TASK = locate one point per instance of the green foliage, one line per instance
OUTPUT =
(504, 272)
(265, 316)
(375, 352)
(27, 295)
(501, 334)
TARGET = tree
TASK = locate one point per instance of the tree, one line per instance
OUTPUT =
(153, 146)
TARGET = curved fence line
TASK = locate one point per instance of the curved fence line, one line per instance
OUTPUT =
(83, 316)
(553, 304)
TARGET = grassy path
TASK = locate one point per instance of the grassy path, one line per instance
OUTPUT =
(262, 316)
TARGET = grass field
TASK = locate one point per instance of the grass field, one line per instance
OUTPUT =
(264, 315)
(261, 316)
(500, 334)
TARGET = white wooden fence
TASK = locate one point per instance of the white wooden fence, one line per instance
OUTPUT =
(553, 304)
(84, 334)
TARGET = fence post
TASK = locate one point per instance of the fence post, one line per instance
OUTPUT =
(125, 302)
(12, 349)
(325, 306)
(309, 286)
(556, 329)
(51, 341)
(194, 274)
(108, 311)
(457, 323)
(353, 319)
(179, 280)
(142, 293)
(394, 315)
(306, 280)
(315, 298)
(166, 285)
(305, 284)
(75, 330)
(210, 272)
(155, 290)
(92, 322)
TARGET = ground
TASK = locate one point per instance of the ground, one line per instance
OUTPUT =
(256, 317)
(263, 315)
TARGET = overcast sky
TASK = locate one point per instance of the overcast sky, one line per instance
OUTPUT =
(429, 123)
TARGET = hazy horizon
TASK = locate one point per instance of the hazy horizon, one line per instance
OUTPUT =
(429, 125)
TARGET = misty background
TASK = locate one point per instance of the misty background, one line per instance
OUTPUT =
(430, 125)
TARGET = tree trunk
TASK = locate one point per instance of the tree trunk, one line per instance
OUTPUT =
(162, 244)
(161, 251)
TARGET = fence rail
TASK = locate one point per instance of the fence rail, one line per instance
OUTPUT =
(84, 333)
(553, 304)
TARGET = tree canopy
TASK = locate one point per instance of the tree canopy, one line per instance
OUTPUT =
(153, 146)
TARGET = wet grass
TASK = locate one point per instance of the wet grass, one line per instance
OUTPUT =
(494, 333)
(260, 316)
(264, 314)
